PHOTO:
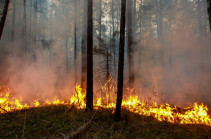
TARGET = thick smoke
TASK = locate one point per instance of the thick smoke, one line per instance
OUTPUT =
(183, 77)
(41, 72)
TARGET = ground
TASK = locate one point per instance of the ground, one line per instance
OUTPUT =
(52, 121)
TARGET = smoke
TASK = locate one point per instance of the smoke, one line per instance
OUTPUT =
(181, 76)
(40, 72)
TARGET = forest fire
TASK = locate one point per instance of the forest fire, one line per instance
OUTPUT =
(198, 114)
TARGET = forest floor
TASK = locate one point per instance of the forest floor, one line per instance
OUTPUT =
(52, 121)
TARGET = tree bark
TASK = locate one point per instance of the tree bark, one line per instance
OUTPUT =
(75, 47)
(130, 46)
(89, 93)
(121, 61)
(3, 18)
(83, 49)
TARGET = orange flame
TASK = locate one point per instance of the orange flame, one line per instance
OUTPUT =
(198, 114)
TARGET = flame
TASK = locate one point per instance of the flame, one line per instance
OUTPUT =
(198, 114)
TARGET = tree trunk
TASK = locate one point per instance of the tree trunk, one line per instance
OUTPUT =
(13, 19)
(108, 75)
(89, 93)
(3, 18)
(112, 14)
(130, 46)
(51, 19)
(30, 24)
(121, 61)
(35, 20)
(113, 36)
(160, 31)
(75, 47)
(100, 23)
(209, 11)
(83, 48)
(24, 27)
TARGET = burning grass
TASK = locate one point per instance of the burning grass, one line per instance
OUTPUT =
(197, 114)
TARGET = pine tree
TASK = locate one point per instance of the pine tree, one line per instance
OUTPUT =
(121, 61)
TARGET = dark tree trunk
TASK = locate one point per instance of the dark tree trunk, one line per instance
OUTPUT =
(13, 19)
(89, 93)
(121, 61)
(3, 18)
(83, 49)
(113, 36)
(108, 74)
(209, 11)
(130, 46)
(75, 47)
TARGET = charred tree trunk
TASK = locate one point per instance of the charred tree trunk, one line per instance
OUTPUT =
(75, 47)
(13, 20)
(209, 11)
(121, 61)
(3, 18)
(130, 46)
(83, 49)
(89, 93)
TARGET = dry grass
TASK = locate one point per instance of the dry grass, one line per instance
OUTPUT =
(52, 121)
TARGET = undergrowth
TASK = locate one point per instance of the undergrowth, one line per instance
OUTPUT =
(55, 121)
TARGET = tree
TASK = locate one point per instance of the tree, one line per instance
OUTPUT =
(75, 46)
(121, 61)
(89, 92)
(13, 19)
(209, 11)
(24, 26)
(83, 49)
(3, 18)
(130, 45)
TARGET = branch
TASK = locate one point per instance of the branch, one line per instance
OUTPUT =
(81, 130)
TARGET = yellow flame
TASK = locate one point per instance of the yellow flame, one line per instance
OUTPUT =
(198, 114)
